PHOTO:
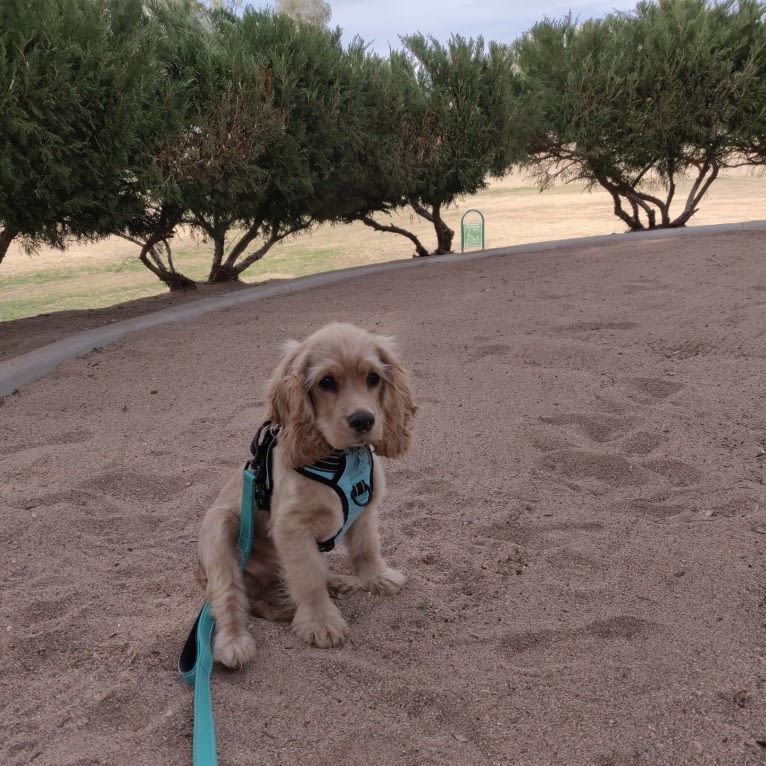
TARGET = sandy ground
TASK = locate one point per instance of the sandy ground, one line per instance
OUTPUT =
(582, 521)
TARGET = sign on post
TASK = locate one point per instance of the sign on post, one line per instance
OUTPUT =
(471, 232)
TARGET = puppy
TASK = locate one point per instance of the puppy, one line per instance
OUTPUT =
(341, 389)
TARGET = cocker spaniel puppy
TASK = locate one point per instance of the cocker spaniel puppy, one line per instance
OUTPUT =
(334, 400)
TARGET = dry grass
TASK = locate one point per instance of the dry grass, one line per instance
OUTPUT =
(108, 272)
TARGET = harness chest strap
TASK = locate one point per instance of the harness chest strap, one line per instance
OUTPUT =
(349, 473)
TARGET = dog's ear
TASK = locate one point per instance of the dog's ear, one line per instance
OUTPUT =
(290, 407)
(398, 405)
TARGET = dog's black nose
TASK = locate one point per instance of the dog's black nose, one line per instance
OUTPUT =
(361, 421)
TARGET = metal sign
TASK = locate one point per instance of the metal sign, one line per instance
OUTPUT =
(471, 232)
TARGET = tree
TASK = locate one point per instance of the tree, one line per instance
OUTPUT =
(397, 145)
(636, 102)
(280, 128)
(273, 150)
(312, 11)
(73, 84)
(460, 128)
(156, 171)
(748, 122)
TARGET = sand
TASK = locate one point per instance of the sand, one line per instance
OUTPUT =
(581, 519)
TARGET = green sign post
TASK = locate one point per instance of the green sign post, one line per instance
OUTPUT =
(471, 232)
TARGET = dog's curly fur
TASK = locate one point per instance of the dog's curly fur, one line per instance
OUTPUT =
(341, 387)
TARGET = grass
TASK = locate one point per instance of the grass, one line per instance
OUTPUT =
(109, 272)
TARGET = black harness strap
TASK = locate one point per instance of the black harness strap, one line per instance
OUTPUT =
(262, 464)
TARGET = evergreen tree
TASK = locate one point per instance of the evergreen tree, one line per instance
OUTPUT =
(73, 75)
(461, 124)
(636, 102)
(279, 142)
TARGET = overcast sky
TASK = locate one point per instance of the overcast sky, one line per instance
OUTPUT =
(380, 22)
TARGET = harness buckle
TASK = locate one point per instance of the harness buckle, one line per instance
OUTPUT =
(359, 490)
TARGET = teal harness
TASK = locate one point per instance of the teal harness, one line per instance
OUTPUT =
(349, 473)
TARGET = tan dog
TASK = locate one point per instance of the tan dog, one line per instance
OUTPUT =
(340, 388)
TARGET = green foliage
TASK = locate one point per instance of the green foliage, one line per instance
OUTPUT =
(171, 105)
(272, 137)
(469, 115)
(466, 108)
(72, 76)
(636, 101)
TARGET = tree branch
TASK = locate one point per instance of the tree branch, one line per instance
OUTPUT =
(373, 224)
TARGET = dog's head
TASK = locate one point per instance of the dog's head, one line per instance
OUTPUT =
(341, 387)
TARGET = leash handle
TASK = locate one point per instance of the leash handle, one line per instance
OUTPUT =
(196, 661)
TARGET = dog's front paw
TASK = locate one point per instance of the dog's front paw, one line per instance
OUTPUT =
(387, 583)
(324, 629)
(233, 651)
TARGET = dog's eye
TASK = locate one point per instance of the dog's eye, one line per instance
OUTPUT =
(328, 383)
(373, 379)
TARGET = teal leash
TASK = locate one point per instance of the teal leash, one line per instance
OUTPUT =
(196, 661)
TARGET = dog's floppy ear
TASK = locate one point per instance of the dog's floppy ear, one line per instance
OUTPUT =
(290, 407)
(398, 405)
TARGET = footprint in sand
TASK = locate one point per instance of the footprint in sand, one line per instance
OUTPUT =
(596, 427)
(656, 388)
(624, 627)
(613, 470)
(678, 473)
(78, 436)
(596, 326)
(139, 487)
(497, 349)
(641, 443)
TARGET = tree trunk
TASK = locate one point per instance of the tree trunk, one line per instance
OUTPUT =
(173, 279)
(6, 237)
(238, 249)
(176, 281)
(223, 273)
(698, 191)
(220, 271)
(236, 262)
(152, 259)
(653, 207)
(444, 235)
(274, 237)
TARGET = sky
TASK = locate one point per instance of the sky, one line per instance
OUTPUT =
(380, 22)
